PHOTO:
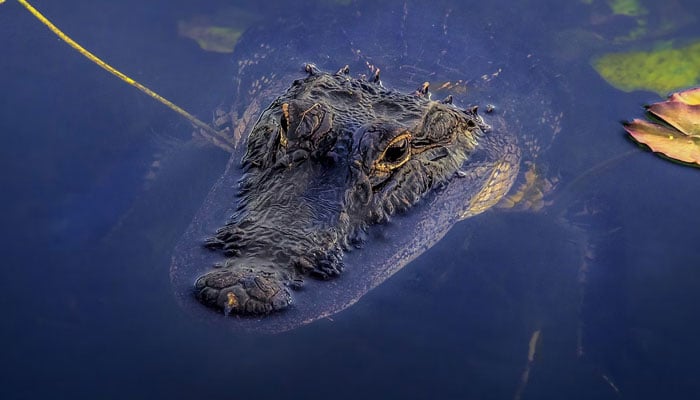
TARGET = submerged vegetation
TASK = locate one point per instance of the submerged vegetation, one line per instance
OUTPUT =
(218, 32)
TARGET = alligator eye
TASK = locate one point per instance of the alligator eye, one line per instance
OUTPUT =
(284, 124)
(397, 152)
(284, 120)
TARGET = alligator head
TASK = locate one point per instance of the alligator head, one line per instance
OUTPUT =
(327, 160)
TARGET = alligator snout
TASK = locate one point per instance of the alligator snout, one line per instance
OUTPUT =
(246, 290)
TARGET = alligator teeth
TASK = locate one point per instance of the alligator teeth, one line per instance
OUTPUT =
(375, 79)
(344, 71)
(423, 90)
(447, 100)
(311, 69)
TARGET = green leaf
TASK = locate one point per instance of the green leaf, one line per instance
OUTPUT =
(661, 70)
(217, 32)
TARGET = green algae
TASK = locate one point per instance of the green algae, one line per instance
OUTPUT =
(630, 8)
(219, 31)
(625, 21)
(219, 39)
(661, 70)
(635, 10)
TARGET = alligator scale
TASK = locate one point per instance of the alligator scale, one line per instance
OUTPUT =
(343, 179)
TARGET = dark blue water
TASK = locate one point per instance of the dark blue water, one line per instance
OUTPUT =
(87, 240)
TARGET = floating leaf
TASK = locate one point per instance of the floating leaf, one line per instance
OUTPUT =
(683, 117)
(660, 71)
(219, 39)
(217, 32)
(690, 96)
(624, 21)
(632, 8)
(677, 132)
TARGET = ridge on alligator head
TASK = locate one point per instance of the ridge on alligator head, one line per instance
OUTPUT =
(326, 162)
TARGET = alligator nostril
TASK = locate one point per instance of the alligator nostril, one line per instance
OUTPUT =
(201, 283)
(281, 299)
(208, 296)
(229, 300)
(231, 303)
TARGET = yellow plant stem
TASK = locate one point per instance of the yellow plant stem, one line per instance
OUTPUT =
(114, 71)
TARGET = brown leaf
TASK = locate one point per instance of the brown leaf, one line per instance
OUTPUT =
(690, 96)
(677, 134)
(665, 140)
(684, 117)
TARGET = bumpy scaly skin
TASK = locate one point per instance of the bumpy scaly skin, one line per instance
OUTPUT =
(326, 160)
(247, 290)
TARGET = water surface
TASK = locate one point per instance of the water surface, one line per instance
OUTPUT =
(87, 238)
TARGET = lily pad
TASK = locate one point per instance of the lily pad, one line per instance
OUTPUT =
(661, 70)
(674, 127)
(218, 39)
(626, 21)
(632, 8)
(218, 32)
(691, 96)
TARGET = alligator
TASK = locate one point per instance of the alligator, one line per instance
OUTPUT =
(328, 159)
(339, 180)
